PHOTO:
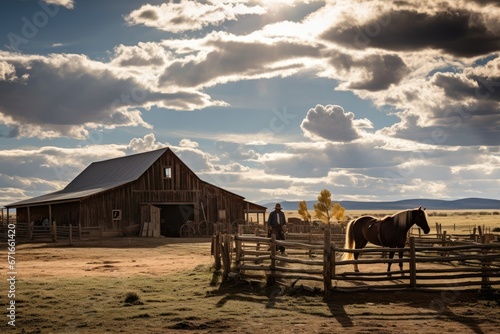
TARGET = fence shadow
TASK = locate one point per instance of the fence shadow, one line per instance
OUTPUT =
(349, 309)
(389, 307)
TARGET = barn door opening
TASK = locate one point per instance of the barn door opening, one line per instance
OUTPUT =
(173, 216)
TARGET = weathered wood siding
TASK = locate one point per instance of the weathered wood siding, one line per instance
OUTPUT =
(183, 187)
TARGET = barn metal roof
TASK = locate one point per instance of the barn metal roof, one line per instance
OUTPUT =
(100, 176)
(105, 175)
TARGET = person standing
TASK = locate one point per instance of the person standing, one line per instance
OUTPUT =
(277, 224)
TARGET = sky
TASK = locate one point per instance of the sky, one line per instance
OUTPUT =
(273, 100)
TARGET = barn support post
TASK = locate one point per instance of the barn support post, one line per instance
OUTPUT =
(29, 219)
(247, 213)
(327, 256)
(70, 235)
(50, 213)
(413, 264)
(54, 231)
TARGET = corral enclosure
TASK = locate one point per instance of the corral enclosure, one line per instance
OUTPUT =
(462, 252)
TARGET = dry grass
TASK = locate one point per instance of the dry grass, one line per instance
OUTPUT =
(191, 302)
(115, 304)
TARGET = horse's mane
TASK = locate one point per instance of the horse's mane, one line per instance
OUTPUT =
(402, 218)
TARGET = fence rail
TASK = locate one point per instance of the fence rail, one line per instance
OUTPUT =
(429, 264)
(28, 232)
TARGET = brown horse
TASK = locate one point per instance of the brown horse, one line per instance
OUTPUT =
(390, 231)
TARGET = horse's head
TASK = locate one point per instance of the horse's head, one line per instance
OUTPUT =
(420, 218)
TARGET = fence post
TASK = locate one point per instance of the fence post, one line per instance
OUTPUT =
(217, 249)
(310, 234)
(271, 278)
(327, 259)
(226, 257)
(333, 262)
(413, 264)
(485, 281)
(239, 252)
(80, 231)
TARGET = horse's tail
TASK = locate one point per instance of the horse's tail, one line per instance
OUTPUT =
(349, 241)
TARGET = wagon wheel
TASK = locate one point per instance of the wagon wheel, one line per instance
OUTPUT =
(206, 227)
(186, 230)
(235, 224)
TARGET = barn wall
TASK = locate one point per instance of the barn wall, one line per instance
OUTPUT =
(97, 209)
(215, 199)
(182, 187)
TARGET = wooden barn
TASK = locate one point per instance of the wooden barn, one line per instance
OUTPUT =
(121, 193)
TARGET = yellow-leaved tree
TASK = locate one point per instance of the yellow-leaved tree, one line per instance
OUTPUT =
(338, 211)
(325, 209)
(304, 212)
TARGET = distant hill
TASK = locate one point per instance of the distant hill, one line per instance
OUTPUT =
(430, 204)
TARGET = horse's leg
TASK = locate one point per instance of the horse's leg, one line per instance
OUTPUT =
(391, 256)
(356, 269)
(359, 245)
(401, 263)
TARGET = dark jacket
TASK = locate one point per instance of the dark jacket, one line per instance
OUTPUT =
(272, 221)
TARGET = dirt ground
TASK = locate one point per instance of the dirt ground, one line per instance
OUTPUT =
(167, 285)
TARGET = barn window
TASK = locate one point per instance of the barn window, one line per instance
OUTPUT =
(167, 172)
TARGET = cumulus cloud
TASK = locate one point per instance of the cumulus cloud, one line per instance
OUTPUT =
(188, 143)
(70, 93)
(140, 55)
(46, 169)
(190, 15)
(361, 168)
(233, 151)
(459, 108)
(455, 31)
(332, 123)
(373, 72)
(223, 57)
(147, 143)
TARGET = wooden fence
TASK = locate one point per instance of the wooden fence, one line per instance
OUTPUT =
(28, 232)
(430, 262)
